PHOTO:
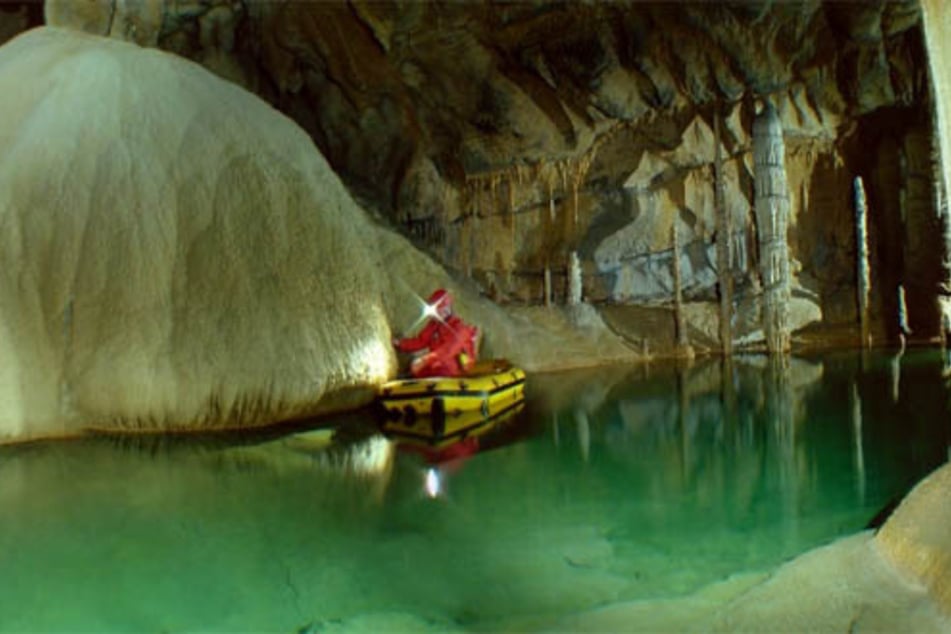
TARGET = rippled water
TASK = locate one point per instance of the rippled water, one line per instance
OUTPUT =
(613, 485)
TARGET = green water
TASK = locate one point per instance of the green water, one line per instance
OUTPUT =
(613, 485)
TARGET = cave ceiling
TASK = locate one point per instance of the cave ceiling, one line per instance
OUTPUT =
(479, 86)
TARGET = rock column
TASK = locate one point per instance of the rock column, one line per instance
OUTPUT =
(724, 244)
(863, 283)
(681, 324)
(772, 213)
(936, 25)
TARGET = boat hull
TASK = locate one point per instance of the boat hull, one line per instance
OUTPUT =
(448, 407)
(425, 431)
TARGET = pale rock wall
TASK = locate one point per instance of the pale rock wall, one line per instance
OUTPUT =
(936, 21)
(178, 255)
(917, 537)
(668, 187)
(175, 253)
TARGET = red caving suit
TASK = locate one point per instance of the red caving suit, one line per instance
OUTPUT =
(451, 345)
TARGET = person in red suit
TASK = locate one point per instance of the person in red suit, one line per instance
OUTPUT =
(449, 342)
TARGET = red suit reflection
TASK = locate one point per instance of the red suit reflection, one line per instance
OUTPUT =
(450, 343)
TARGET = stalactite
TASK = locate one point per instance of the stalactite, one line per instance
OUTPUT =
(579, 174)
(441, 216)
(724, 245)
(863, 282)
(772, 212)
(564, 168)
(547, 175)
(680, 323)
(554, 179)
(512, 217)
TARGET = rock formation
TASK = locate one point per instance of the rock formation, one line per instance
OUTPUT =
(178, 255)
(501, 138)
(937, 28)
(916, 540)
(772, 216)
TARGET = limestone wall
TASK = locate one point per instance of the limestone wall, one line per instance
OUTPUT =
(171, 249)
(936, 21)
(176, 254)
(917, 538)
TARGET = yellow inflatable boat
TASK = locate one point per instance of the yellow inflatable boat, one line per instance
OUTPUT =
(451, 405)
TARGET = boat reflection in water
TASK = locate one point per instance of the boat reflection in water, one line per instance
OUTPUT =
(444, 448)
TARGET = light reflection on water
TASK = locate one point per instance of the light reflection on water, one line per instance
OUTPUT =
(613, 485)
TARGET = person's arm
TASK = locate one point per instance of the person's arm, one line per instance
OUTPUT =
(420, 341)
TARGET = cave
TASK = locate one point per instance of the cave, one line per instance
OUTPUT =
(704, 246)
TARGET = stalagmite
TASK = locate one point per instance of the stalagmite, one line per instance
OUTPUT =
(724, 244)
(682, 342)
(467, 236)
(863, 284)
(547, 286)
(513, 225)
(574, 279)
(903, 329)
(772, 212)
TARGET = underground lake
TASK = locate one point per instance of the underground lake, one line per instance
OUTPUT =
(617, 484)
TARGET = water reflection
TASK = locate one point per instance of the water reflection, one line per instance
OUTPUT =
(729, 434)
(613, 484)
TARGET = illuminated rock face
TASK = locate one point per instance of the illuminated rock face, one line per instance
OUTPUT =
(937, 27)
(916, 537)
(175, 253)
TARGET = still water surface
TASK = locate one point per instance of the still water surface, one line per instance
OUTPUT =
(614, 485)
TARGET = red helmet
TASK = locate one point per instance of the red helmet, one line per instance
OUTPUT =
(441, 303)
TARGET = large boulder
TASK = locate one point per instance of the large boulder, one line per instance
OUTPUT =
(917, 537)
(176, 254)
